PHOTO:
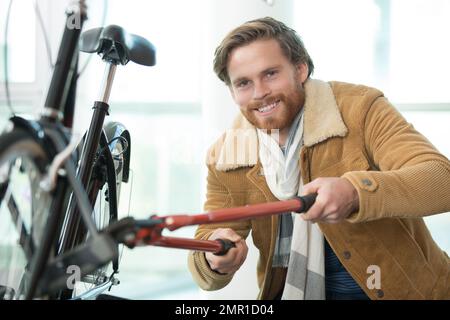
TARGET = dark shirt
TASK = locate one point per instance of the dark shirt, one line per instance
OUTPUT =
(338, 282)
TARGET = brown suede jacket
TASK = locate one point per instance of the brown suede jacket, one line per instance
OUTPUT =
(350, 131)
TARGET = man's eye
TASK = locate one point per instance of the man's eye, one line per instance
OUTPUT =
(271, 73)
(242, 83)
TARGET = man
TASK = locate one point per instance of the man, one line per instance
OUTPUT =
(374, 175)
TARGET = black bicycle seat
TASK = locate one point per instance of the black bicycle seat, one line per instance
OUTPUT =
(117, 46)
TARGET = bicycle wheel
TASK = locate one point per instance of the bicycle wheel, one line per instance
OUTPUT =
(24, 210)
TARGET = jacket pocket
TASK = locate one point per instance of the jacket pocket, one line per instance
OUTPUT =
(355, 161)
(397, 251)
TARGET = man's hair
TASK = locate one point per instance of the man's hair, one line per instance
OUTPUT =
(261, 29)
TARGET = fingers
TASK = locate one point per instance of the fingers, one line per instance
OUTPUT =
(336, 199)
(234, 258)
(311, 187)
(322, 209)
(230, 262)
(315, 212)
(240, 254)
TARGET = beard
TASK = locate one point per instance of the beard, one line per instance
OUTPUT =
(288, 107)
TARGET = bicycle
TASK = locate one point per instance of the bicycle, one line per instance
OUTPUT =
(54, 228)
(36, 157)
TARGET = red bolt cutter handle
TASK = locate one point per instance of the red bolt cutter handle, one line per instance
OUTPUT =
(152, 235)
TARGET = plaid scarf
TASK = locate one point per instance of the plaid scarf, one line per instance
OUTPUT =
(299, 244)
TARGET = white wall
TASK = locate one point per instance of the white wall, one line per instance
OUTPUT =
(221, 16)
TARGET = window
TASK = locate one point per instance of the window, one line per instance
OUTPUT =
(21, 40)
(28, 64)
(177, 38)
(397, 46)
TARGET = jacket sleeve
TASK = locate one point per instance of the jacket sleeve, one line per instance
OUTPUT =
(217, 197)
(413, 178)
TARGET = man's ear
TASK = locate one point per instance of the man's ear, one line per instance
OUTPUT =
(302, 72)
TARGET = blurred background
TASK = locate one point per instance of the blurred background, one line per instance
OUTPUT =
(176, 109)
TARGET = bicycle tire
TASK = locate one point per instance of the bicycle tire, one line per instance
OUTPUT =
(27, 227)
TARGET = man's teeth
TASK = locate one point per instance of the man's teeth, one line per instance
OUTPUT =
(268, 108)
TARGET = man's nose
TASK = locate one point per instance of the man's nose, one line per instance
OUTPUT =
(261, 90)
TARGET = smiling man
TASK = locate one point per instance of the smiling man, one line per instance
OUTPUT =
(375, 177)
(266, 86)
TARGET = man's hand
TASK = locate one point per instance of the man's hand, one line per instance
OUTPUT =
(234, 258)
(336, 199)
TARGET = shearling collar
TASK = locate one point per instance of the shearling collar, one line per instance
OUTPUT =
(322, 121)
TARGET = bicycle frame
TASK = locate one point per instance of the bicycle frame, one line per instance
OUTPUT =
(53, 129)
(60, 101)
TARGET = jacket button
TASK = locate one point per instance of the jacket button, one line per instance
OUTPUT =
(380, 293)
(347, 255)
(367, 182)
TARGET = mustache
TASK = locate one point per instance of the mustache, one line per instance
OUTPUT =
(266, 101)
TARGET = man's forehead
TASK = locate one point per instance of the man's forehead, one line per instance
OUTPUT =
(254, 58)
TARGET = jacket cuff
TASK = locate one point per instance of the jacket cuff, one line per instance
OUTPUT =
(366, 186)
